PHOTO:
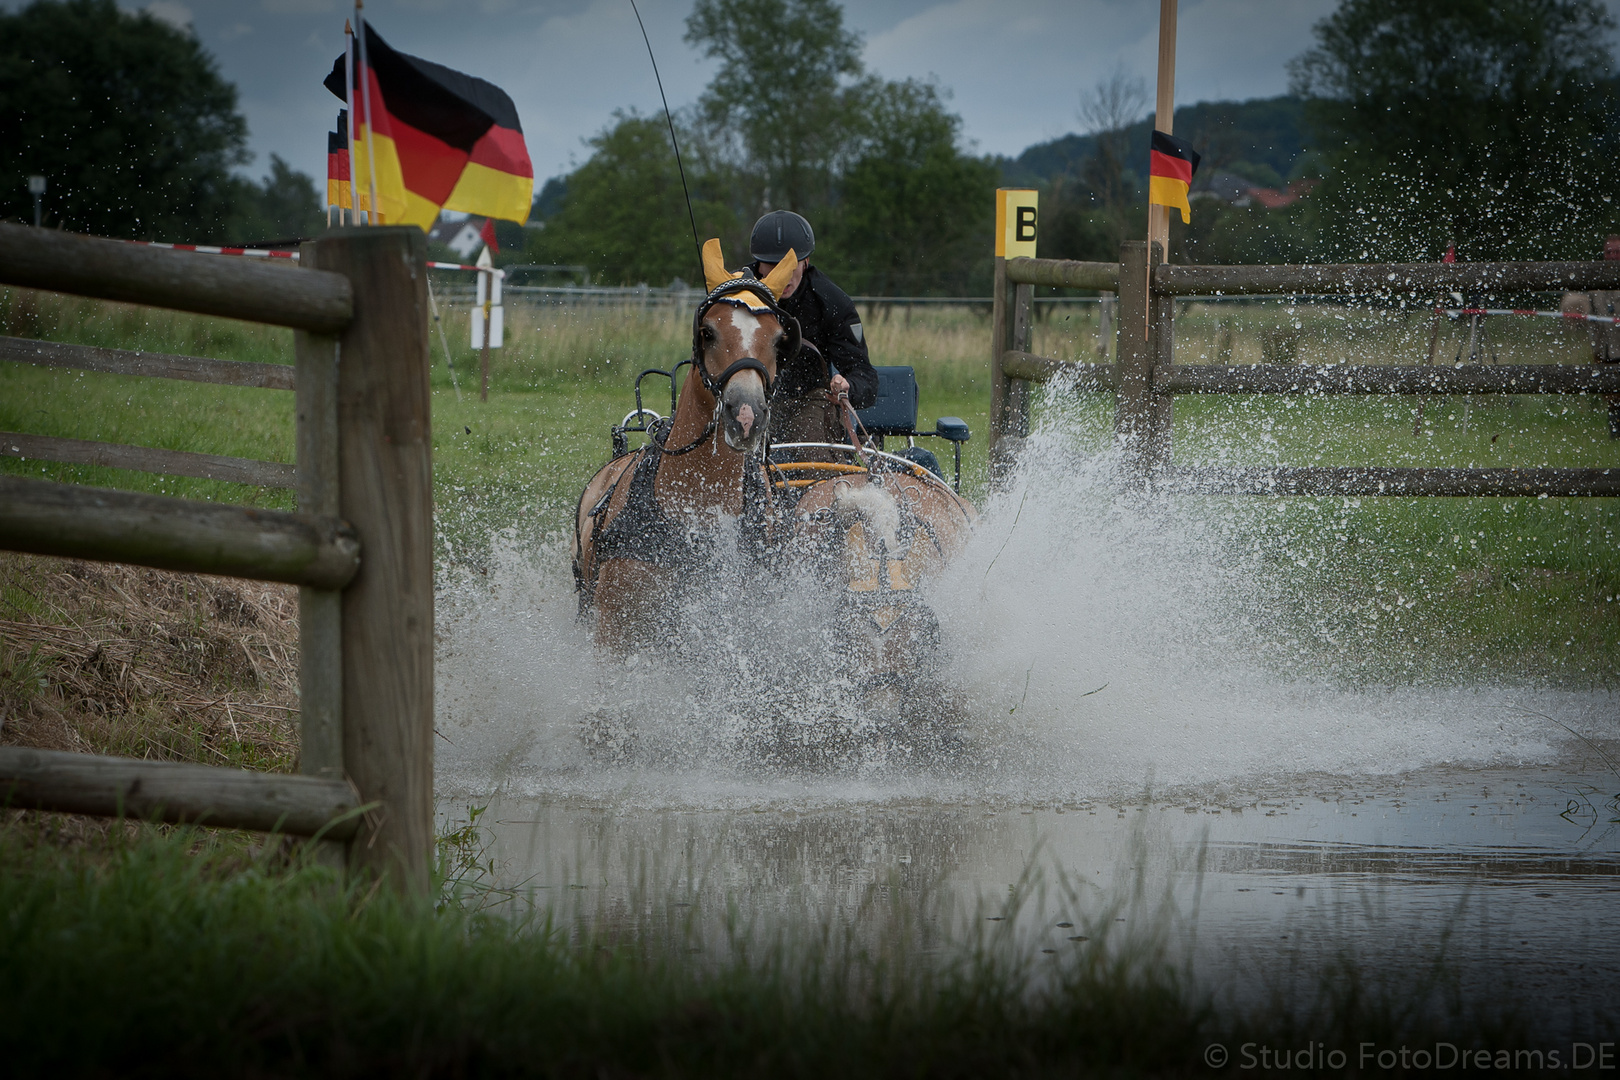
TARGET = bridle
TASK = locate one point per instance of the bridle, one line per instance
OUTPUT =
(726, 293)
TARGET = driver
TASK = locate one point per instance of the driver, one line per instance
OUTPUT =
(827, 316)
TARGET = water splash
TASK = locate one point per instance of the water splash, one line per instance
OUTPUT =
(1092, 644)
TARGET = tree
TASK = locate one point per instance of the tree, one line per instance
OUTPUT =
(624, 214)
(1096, 207)
(913, 214)
(284, 206)
(789, 94)
(791, 120)
(1487, 123)
(126, 117)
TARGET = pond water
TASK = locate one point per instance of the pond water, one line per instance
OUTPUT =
(1146, 748)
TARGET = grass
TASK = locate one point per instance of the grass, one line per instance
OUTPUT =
(172, 954)
(178, 951)
(140, 663)
(1500, 588)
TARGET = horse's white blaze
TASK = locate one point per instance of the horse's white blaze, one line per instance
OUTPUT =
(748, 325)
(744, 320)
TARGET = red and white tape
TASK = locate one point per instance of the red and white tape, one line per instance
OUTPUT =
(265, 253)
(205, 249)
(1575, 316)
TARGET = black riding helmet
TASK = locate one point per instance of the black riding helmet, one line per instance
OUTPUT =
(777, 232)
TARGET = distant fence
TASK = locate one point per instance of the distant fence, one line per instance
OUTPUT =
(686, 299)
(1146, 377)
(359, 547)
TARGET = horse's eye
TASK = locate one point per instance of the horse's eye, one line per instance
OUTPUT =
(708, 336)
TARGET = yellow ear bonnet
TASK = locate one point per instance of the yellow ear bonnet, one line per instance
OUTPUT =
(715, 275)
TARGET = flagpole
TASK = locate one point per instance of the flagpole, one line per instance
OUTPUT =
(371, 123)
(350, 121)
(1164, 118)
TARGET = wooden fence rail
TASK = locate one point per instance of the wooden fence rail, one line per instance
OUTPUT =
(177, 792)
(167, 533)
(1064, 274)
(1304, 379)
(147, 459)
(182, 280)
(1380, 480)
(1146, 377)
(1421, 281)
(360, 547)
(154, 365)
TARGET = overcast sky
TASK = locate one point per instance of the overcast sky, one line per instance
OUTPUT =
(569, 63)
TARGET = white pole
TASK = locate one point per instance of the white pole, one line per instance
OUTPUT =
(371, 122)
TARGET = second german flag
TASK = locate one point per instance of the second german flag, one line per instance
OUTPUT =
(441, 139)
(1171, 164)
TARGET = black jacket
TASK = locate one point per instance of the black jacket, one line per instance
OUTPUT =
(829, 321)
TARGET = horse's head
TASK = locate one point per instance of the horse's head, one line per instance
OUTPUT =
(739, 338)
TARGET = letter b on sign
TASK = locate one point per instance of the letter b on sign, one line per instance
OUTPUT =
(1016, 216)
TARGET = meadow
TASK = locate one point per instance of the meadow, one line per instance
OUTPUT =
(140, 949)
(1518, 589)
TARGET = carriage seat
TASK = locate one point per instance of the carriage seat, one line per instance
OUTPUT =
(895, 413)
(895, 410)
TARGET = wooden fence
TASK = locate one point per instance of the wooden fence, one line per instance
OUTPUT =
(359, 547)
(1146, 377)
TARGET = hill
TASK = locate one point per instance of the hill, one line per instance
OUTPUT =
(1263, 140)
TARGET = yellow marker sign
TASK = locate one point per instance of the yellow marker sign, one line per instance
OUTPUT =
(1015, 222)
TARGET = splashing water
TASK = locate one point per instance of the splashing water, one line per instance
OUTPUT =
(1092, 644)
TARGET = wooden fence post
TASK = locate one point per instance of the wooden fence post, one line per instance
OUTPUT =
(385, 476)
(1140, 420)
(1009, 398)
(1161, 313)
(320, 612)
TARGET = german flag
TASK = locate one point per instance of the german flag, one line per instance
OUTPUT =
(443, 140)
(1171, 164)
(339, 192)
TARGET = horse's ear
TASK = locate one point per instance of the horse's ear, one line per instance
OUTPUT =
(715, 273)
(781, 273)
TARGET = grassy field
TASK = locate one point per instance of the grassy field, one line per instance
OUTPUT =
(176, 955)
(164, 952)
(1494, 588)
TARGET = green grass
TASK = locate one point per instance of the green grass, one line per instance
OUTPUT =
(172, 953)
(1510, 589)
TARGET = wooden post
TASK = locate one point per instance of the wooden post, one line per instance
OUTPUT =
(385, 474)
(1162, 340)
(1138, 425)
(320, 611)
(1008, 417)
(483, 385)
(1164, 112)
(1009, 404)
(1105, 326)
(1023, 337)
(1010, 328)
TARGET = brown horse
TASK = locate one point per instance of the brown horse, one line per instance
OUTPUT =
(649, 514)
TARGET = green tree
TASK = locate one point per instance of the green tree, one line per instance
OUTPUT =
(126, 117)
(624, 214)
(790, 93)
(790, 120)
(1488, 123)
(914, 214)
(283, 206)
